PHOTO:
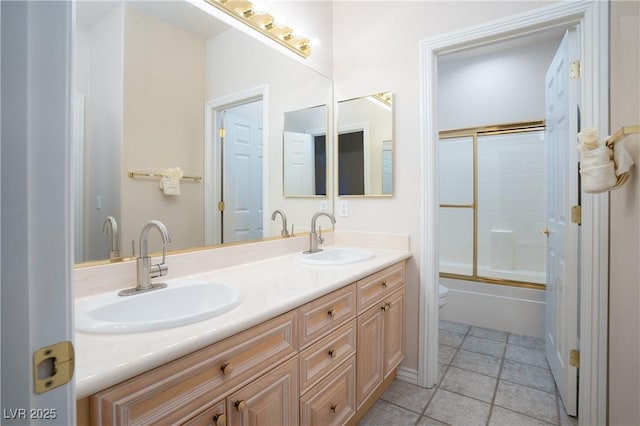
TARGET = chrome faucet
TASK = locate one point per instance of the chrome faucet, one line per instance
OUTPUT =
(316, 238)
(110, 226)
(145, 270)
(285, 231)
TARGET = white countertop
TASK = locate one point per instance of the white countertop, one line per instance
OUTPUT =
(271, 287)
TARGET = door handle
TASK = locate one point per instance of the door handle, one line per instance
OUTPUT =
(547, 231)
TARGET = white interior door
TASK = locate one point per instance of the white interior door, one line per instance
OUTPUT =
(36, 219)
(299, 167)
(242, 180)
(387, 165)
(561, 321)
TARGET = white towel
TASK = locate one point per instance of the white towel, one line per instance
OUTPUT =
(170, 182)
(598, 178)
(588, 138)
(595, 157)
(622, 158)
(596, 163)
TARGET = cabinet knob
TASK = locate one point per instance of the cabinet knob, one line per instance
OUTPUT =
(384, 284)
(332, 353)
(334, 407)
(332, 312)
(241, 405)
(227, 368)
(219, 420)
(385, 306)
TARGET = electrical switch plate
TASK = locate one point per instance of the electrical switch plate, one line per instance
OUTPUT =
(324, 206)
(344, 208)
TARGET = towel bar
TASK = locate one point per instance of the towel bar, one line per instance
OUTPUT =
(134, 175)
(621, 134)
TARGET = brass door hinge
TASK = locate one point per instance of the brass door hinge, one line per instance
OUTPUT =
(576, 214)
(574, 358)
(221, 206)
(575, 70)
(222, 132)
(53, 366)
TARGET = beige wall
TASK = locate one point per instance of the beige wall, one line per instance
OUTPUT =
(624, 287)
(162, 128)
(371, 55)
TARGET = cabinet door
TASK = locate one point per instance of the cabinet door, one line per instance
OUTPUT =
(370, 353)
(394, 331)
(270, 400)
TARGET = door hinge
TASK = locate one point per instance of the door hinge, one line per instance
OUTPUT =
(576, 214)
(222, 132)
(53, 366)
(221, 206)
(574, 358)
(575, 70)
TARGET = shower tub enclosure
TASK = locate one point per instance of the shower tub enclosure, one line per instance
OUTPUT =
(492, 204)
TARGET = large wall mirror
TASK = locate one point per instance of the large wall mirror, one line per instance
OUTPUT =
(155, 81)
(365, 146)
(305, 152)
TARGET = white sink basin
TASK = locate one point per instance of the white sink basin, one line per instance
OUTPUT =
(180, 303)
(336, 256)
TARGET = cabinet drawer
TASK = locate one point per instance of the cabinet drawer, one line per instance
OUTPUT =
(214, 416)
(171, 393)
(324, 314)
(332, 401)
(376, 287)
(321, 357)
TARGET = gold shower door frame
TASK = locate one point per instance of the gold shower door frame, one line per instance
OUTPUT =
(475, 132)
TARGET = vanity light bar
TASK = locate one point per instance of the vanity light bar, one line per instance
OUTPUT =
(263, 22)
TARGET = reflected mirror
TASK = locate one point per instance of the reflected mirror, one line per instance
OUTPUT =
(305, 152)
(155, 83)
(365, 146)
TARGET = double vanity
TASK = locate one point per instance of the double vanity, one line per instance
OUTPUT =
(309, 339)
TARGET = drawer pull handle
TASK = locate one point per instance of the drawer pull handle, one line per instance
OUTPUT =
(333, 353)
(241, 405)
(219, 420)
(332, 313)
(385, 306)
(334, 407)
(227, 368)
(384, 284)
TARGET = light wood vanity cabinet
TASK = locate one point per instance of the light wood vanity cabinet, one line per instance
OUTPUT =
(381, 330)
(322, 364)
(175, 392)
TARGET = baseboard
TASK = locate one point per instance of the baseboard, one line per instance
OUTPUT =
(408, 375)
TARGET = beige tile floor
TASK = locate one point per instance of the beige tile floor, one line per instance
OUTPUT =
(487, 377)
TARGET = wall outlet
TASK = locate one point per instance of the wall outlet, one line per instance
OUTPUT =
(344, 208)
(324, 206)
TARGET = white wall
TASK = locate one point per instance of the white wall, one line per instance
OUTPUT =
(624, 288)
(502, 86)
(370, 57)
(312, 19)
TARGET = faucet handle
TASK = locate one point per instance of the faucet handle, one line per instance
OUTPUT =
(320, 237)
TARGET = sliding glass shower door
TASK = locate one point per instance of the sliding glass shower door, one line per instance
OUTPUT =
(492, 204)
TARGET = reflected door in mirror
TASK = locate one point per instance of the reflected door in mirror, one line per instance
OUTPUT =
(365, 146)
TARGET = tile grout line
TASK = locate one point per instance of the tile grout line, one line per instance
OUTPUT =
(495, 392)
(440, 380)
